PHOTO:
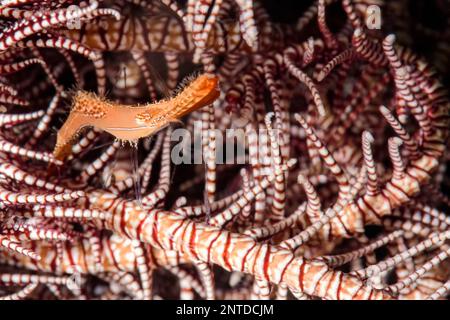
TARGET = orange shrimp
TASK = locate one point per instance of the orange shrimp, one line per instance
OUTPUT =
(129, 123)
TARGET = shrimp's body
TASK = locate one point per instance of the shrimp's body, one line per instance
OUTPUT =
(129, 123)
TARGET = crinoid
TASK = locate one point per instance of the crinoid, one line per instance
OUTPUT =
(335, 191)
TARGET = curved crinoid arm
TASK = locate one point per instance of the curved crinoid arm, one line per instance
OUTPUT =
(8, 147)
(17, 66)
(13, 119)
(21, 294)
(233, 210)
(410, 176)
(21, 176)
(7, 243)
(368, 49)
(440, 292)
(9, 98)
(11, 3)
(33, 230)
(200, 242)
(175, 239)
(14, 198)
(59, 42)
(129, 123)
(30, 281)
(82, 252)
(249, 29)
(27, 27)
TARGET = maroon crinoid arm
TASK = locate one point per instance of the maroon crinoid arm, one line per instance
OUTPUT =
(218, 246)
(7, 97)
(335, 190)
(295, 272)
(28, 27)
(8, 147)
(5, 242)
